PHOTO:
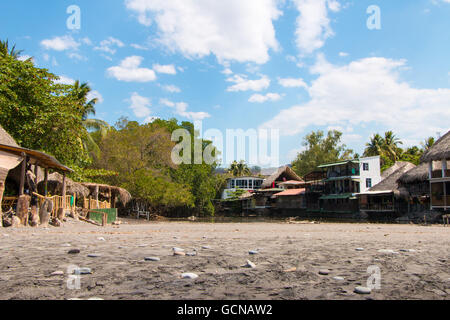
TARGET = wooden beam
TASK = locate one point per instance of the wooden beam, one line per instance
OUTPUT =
(22, 174)
(64, 187)
(46, 182)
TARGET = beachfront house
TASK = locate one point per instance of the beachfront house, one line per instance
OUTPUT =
(387, 198)
(345, 179)
(249, 184)
(417, 183)
(438, 160)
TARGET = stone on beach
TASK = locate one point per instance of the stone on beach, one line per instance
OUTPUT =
(79, 271)
(175, 249)
(57, 273)
(101, 239)
(290, 270)
(359, 249)
(189, 275)
(74, 251)
(387, 251)
(191, 254)
(179, 253)
(206, 247)
(253, 252)
(249, 264)
(324, 272)
(93, 255)
(363, 290)
(152, 259)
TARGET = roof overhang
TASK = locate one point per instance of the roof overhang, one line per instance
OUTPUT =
(371, 193)
(36, 157)
(338, 163)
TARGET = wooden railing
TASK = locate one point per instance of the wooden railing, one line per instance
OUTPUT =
(58, 203)
(92, 204)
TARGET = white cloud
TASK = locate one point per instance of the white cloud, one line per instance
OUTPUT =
(313, 24)
(367, 92)
(343, 54)
(259, 98)
(24, 57)
(241, 83)
(76, 56)
(167, 69)
(227, 71)
(60, 43)
(181, 110)
(129, 71)
(65, 80)
(230, 30)
(94, 94)
(87, 41)
(171, 88)
(108, 45)
(138, 46)
(140, 105)
(292, 83)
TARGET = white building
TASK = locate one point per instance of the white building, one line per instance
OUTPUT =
(243, 183)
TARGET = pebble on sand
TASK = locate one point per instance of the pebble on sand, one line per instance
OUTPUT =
(57, 273)
(152, 259)
(101, 239)
(249, 264)
(191, 254)
(189, 275)
(363, 290)
(387, 251)
(359, 249)
(206, 247)
(175, 249)
(290, 270)
(93, 255)
(324, 272)
(74, 251)
(79, 271)
(179, 253)
(338, 278)
(253, 252)
(66, 245)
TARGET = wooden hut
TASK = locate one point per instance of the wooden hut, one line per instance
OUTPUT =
(387, 196)
(12, 156)
(283, 174)
(417, 183)
(438, 160)
(102, 196)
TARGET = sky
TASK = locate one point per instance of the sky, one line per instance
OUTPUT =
(286, 66)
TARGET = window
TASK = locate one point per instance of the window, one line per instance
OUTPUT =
(368, 183)
(365, 166)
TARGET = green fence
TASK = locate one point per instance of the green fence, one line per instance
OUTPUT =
(98, 215)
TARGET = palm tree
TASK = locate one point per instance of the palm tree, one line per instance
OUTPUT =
(239, 169)
(374, 147)
(81, 93)
(5, 51)
(428, 143)
(391, 147)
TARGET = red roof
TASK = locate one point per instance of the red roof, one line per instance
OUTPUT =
(290, 192)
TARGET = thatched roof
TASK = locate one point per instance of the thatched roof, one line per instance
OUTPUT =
(55, 184)
(6, 139)
(123, 194)
(285, 172)
(439, 151)
(390, 183)
(417, 174)
(399, 164)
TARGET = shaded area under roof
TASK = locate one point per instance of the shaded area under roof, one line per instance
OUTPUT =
(416, 175)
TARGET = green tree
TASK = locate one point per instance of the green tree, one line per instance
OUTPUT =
(39, 113)
(320, 149)
(391, 146)
(428, 143)
(375, 146)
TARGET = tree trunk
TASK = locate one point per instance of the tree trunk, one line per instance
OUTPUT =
(23, 203)
(2, 189)
(34, 216)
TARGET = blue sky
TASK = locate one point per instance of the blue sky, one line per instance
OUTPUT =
(292, 65)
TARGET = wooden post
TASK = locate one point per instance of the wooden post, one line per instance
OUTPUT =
(46, 182)
(64, 187)
(22, 174)
(96, 196)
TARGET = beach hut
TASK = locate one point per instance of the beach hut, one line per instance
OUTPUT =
(438, 160)
(417, 182)
(283, 174)
(12, 156)
(388, 196)
(103, 196)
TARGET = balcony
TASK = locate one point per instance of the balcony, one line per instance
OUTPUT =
(343, 173)
(376, 207)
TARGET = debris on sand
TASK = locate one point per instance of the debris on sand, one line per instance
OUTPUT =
(189, 275)
(249, 264)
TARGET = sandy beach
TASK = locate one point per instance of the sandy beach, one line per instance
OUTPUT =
(288, 260)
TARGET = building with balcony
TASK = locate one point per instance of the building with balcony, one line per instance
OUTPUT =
(250, 184)
(345, 179)
(438, 160)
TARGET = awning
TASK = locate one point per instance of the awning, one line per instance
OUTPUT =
(372, 193)
(350, 196)
(343, 178)
(338, 163)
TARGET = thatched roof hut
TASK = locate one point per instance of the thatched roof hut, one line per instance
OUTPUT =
(55, 186)
(6, 139)
(391, 184)
(282, 174)
(415, 175)
(106, 190)
(439, 151)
